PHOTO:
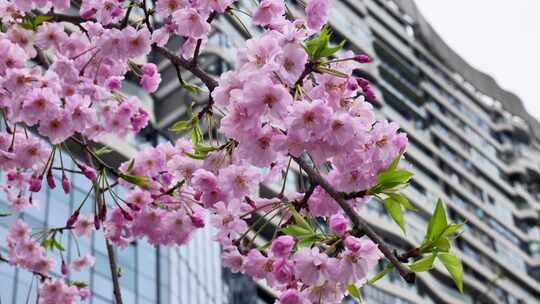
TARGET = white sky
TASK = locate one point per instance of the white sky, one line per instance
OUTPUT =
(500, 38)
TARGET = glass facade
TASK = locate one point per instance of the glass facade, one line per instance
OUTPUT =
(138, 261)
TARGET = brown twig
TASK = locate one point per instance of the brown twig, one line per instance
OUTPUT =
(206, 78)
(199, 42)
(147, 17)
(358, 222)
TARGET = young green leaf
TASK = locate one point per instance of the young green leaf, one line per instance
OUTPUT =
(38, 20)
(394, 209)
(438, 222)
(449, 229)
(195, 156)
(191, 88)
(454, 267)
(381, 274)
(331, 50)
(296, 231)
(130, 166)
(403, 201)
(102, 151)
(141, 181)
(442, 244)
(424, 264)
(354, 292)
(79, 284)
(181, 126)
(395, 162)
(300, 221)
(394, 177)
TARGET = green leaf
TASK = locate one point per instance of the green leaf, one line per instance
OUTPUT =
(141, 181)
(424, 264)
(102, 151)
(191, 88)
(130, 166)
(52, 244)
(394, 209)
(300, 221)
(354, 292)
(46, 244)
(308, 241)
(403, 201)
(195, 156)
(57, 245)
(331, 50)
(381, 274)
(5, 214)
(395, 162)
(438, 222)
(394, 177)
(202, 148)
(181, 126)
(297, 231)
(454, 267)
(79, 284)
(442, 244)
(196, 134)
(449, 229)
(40, 19)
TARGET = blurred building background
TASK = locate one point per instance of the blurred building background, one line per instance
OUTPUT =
(471, 143)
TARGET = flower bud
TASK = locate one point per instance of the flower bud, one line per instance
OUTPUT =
(133, 206)
(50, 179)
(66, 185)
(35, 184)
(89, 172)
(117, 11)
(96, 222)
(126, 215)
(352, 243)
(283, 245)
(64, 268)
(338, 224)
(370, 95)
(362, 82)
(89, 13)
(362, 58)
(352, 84)
(73, 219)
(197, 220)
(12, 175)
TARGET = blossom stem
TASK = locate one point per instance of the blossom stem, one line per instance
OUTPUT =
(358, 222)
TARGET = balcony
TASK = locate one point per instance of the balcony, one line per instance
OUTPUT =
(393, 76)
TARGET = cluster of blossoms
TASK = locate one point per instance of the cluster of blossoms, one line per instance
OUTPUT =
(267, 122)
(29, 254)
(297, 107)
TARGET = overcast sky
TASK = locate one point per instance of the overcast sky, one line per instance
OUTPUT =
(501, 38)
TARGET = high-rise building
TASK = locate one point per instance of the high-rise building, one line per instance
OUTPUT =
(471, 143)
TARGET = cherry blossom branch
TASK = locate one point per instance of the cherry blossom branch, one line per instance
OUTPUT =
(147, 16)
(199, 42)
(358, 222)
(110, 250)
(206, 78)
